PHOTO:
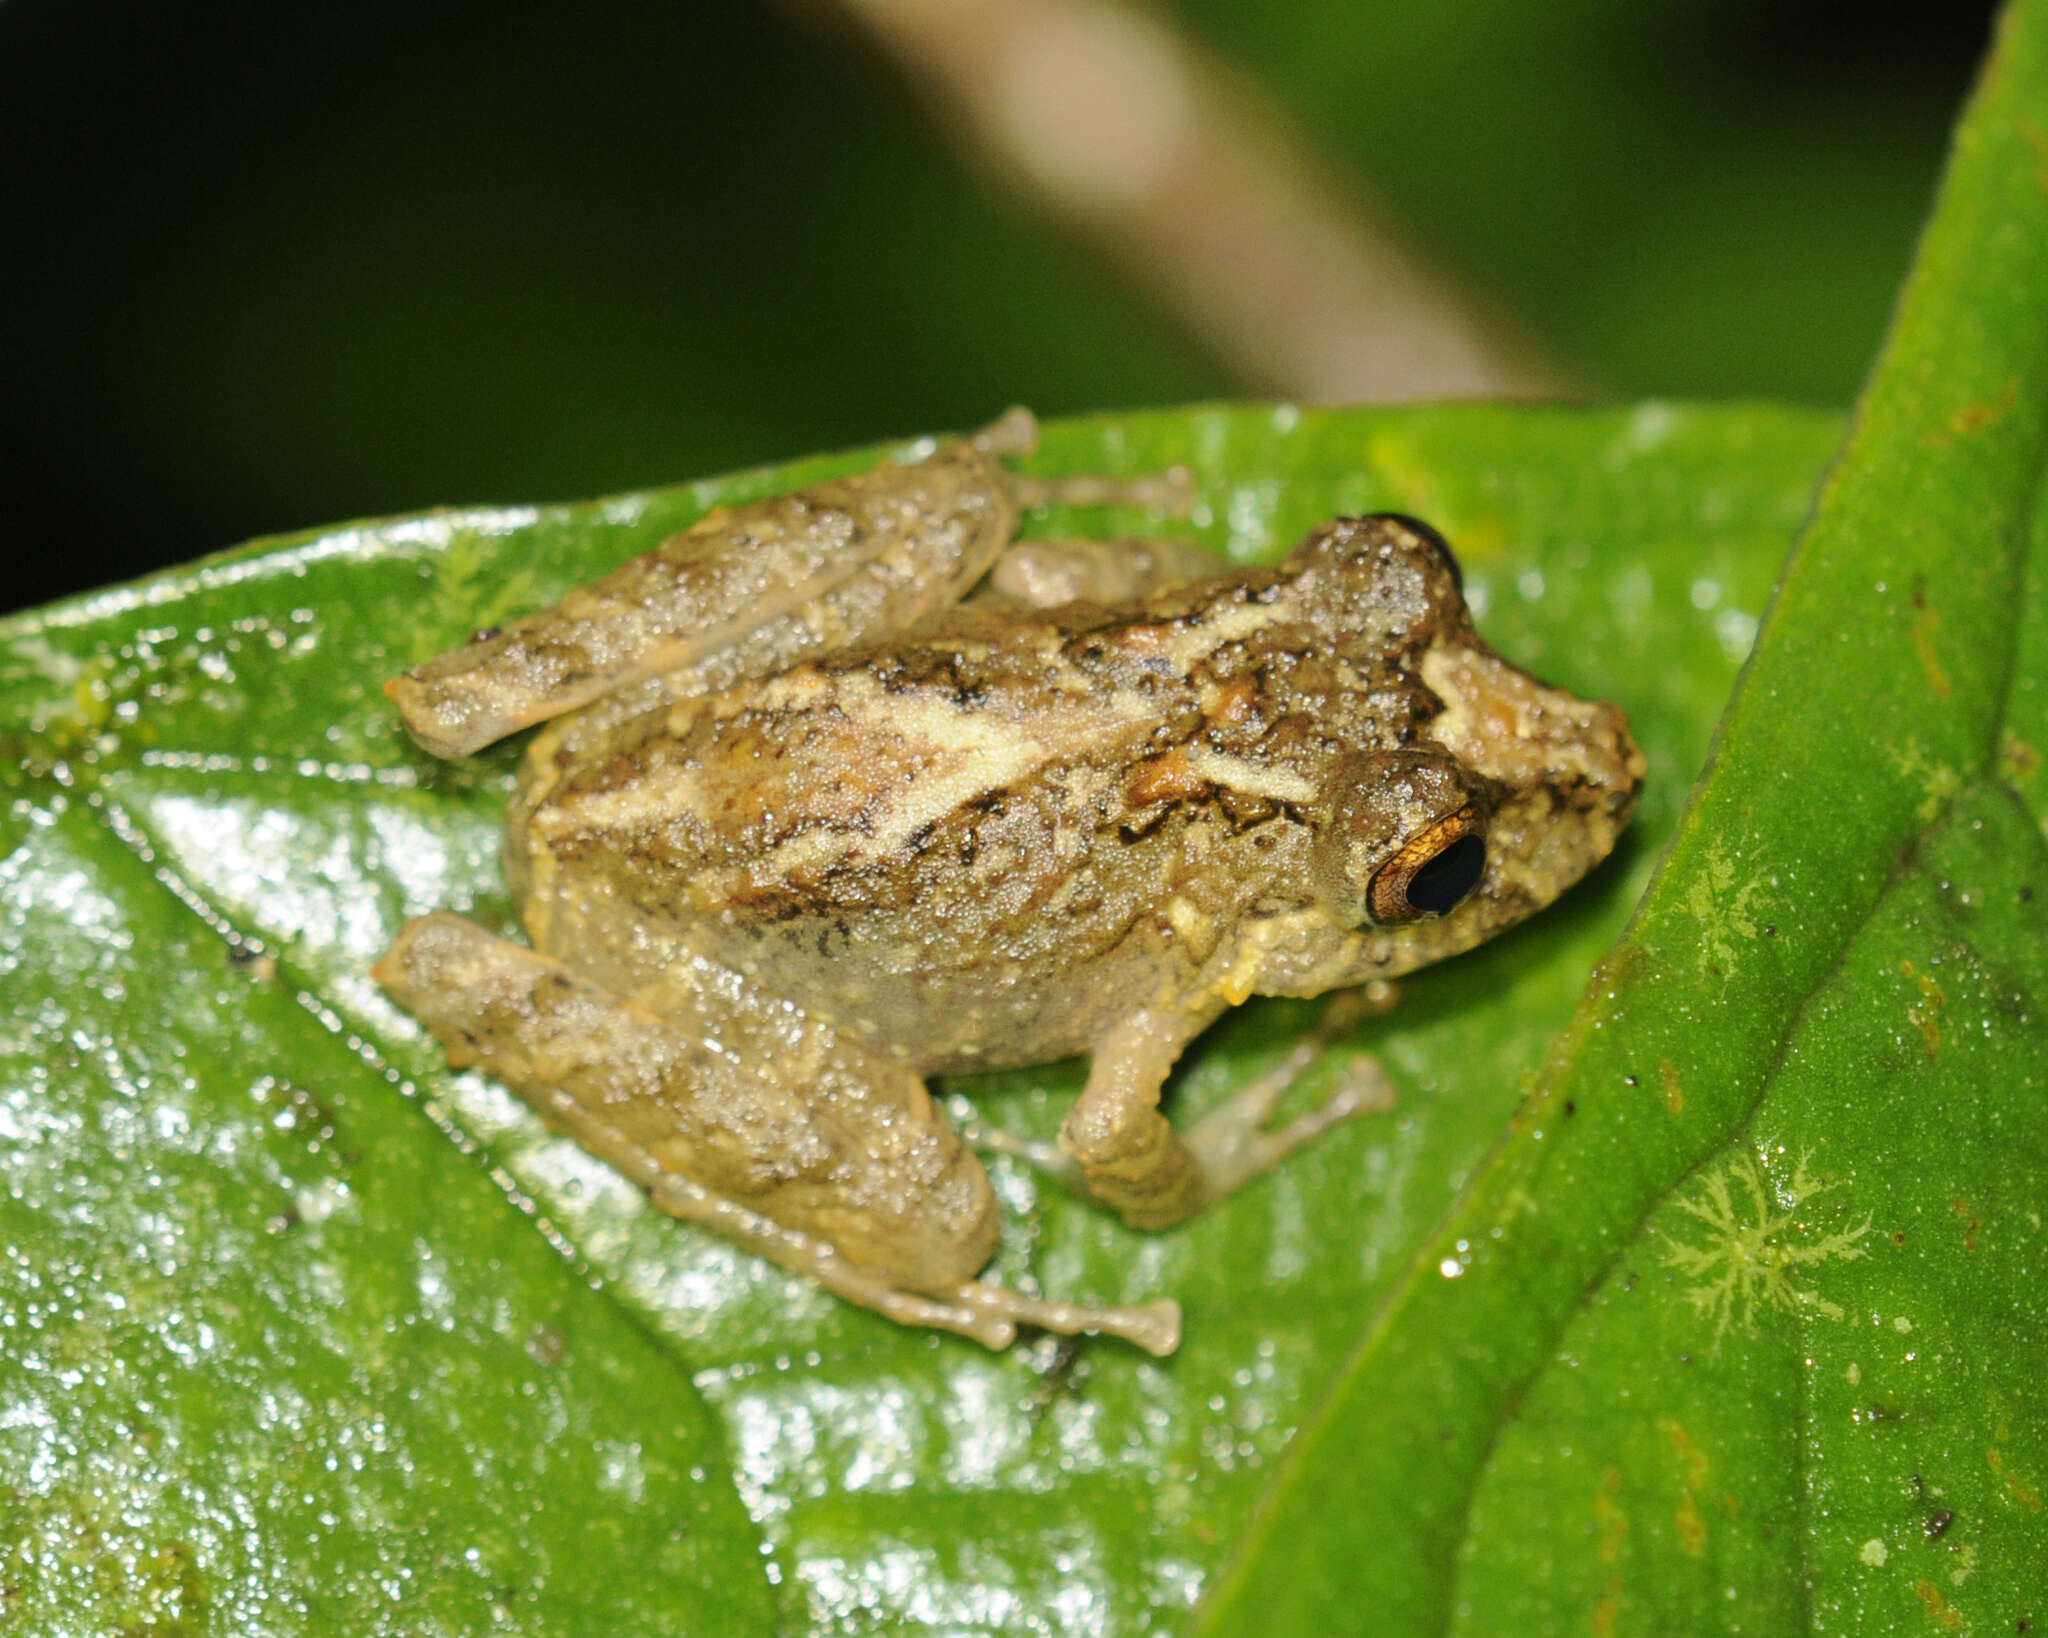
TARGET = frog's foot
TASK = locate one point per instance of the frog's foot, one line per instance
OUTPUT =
(1049, 1158)
(1014, 432)
(1234, 1143)
(1044, 573)
(1153, 1326)
(1171, 491)
(988, 1314)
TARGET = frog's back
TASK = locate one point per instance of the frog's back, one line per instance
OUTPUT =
(986, 826)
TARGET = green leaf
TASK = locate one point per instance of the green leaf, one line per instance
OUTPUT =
(1736, 1327)
(1741, 1327)
(281, 1354)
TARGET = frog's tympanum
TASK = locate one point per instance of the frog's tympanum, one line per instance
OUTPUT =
(809, 824)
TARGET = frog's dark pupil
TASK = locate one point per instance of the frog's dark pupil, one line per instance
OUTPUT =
(1440, 884)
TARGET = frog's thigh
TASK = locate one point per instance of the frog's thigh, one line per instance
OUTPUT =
(655, 1091)
(631, 1088)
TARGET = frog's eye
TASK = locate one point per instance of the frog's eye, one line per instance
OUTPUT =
(1432, 873)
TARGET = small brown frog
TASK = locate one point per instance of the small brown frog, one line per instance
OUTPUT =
(803, 833)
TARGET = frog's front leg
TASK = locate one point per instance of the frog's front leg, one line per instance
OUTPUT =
(1133, 1159)
(828, 1161)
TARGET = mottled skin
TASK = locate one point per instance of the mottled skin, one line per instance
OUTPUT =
(767, 908)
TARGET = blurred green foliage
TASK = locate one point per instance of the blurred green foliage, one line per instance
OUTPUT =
(1697, 197)
(292, 263)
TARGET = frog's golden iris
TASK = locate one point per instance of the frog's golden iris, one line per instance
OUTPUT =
(1433, 872)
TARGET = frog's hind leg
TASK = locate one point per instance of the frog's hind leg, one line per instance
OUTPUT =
(1014, 432)
(896, 1217)
(751, 590)
(988, 1314)
(743, 592)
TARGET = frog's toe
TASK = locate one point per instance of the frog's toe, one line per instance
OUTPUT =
(1153, 1326)
(1233, 1143)
(1049, 1158)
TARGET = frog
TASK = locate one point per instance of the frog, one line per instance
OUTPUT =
(849, 787)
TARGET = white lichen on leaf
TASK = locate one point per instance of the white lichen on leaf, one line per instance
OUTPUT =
(1722, 910)
(1749, 1257)
(77, 705)
(473, 590)
(1938, 781)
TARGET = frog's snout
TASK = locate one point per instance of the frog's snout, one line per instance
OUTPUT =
(1571, 767)
(1502, 723)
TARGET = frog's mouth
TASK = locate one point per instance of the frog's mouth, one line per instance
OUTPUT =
(1569, 768)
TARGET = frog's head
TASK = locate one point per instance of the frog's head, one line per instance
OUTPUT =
(1500, 794)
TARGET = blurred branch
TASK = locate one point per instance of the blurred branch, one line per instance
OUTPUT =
(1190, 178)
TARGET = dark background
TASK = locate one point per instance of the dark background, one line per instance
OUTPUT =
(269, 265)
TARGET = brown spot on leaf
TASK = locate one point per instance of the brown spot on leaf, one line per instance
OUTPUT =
(1974, 417)
(2038, 144)
(1608, 1545)
(1925, 623)
(1693, 1463)
(258, 963)
(1674, 1094)
(1925, 1013)
(544, 1344)
(1612, 1521)
(1618, 968)
(1970, 1220)
(1692, 1529)
(1688, 1451)
(2016, 1487)
(1950, 1618)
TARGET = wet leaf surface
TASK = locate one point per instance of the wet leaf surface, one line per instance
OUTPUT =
(300, 1327)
